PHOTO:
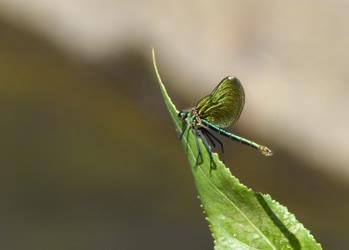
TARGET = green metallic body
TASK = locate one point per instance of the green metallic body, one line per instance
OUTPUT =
(218, 110)
(264, 150)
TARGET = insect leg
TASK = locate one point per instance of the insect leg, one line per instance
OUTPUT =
(204, 132)
(201, 134)
(216, 139)
(187, 127)
(184, 128)
(209, 135)
(198, 148)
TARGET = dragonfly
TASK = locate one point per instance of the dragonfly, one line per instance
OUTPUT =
(215, 112)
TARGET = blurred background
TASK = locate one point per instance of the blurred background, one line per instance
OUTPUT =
(89, 156)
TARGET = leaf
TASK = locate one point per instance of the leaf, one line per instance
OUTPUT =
(239, 218)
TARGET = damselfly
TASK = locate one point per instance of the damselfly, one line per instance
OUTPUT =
(216, 111)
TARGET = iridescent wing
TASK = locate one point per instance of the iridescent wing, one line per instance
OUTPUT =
(224, 105)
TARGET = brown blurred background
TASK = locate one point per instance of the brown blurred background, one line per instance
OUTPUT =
(89, 157)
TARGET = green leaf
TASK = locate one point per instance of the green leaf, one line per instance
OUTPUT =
(239, 218)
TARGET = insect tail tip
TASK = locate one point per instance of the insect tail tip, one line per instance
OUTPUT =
(265, 151)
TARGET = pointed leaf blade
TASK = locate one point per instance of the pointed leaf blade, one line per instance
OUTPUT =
(239, 218)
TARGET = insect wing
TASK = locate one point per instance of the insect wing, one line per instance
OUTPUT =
(224, 105)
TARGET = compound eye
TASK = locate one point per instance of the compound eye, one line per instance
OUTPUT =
(182, 114)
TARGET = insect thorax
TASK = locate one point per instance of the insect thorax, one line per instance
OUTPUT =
(191, 117)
